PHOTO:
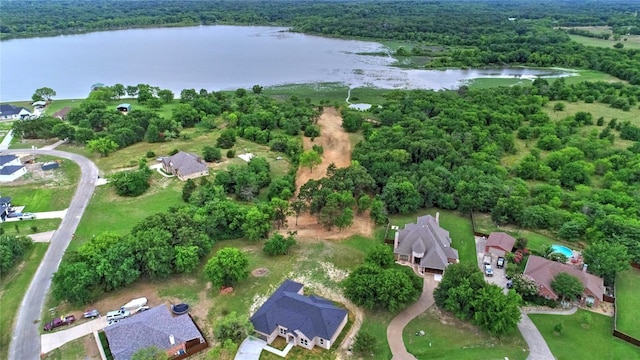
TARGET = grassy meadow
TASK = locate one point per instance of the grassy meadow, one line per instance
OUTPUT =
(584, 335)
(13, 286)
(447, 337)
(627, 301)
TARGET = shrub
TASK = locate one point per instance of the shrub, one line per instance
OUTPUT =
(558, 328)
(173, 152)
(365, 344)
(231, 154)
(150, 154)
(319, 149)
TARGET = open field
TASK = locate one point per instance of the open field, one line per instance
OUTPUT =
(109, 212)
(459, 227)
(633, 41)
(628, 299)
(581, 341)
(13, 286)
(447, 337)
(334, 93)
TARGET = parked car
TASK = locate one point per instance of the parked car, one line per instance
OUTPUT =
(27, 216)
(486, 259)
(57, 322)
(91, 314)
(488, 271)
(118, 314)
(14, 214)
(500, 262)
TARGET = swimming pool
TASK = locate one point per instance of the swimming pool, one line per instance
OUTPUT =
(563, 250)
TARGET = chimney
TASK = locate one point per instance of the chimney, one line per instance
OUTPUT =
(172, 340)
(584, 267)
(395, 240)
(438, 218)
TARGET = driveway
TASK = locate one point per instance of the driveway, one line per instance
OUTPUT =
(54, 340)
(538, 348)
(60, 214)
(250, 349)
(28, 320)
(499, 275)
(394, 330)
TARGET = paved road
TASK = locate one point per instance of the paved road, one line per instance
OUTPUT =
(23, 346)
(394, 331)
(4, 145)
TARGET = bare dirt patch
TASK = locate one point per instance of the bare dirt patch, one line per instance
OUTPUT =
(91, 348)
(337, 150)
(260, 272)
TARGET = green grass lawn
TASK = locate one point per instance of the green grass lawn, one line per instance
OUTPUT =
(109, 212)
(484, 83)
(375, 323)
(449, 338)
(580, 341)
(26, 227)
(71, 350)
(46, 194)
(628, 302)
(13, 286)
(459, 226)
(633, 41)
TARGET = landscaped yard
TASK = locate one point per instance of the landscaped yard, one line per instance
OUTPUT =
(628, 302)
(449, 338)
(13, 286)
(459, 227)
(27, 227)
(577, 340)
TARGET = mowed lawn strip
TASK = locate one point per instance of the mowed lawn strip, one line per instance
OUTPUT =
(628, 302)
(27, 227)
(580, 341)
(13, 286)
(446, 337)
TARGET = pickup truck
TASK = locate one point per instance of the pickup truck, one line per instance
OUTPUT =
(57, 322)
(118, 315)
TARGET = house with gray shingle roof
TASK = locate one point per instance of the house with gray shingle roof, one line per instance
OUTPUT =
(12, 112)
(185, 165)
(425, 245)
(155, 327)
(302, 320)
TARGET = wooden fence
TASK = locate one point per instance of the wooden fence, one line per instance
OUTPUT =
(617, 333)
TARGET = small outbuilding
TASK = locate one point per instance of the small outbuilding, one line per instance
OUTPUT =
(124, 108)
(39, 104)
(499, 243)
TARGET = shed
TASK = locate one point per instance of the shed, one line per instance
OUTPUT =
(124, 107)
(499, 243)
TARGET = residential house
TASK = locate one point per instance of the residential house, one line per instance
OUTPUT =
(305, 321)
(62, 113)
(178, 335)
(11, 168)
(499, 243)
(124, 108)
(185, 166)
(12, 112)
(543, 271)
(425, 245)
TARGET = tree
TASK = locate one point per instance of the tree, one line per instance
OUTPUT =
(64, 131)
(380, 255)
(278, 244)
(496, 312)
(227, 139)
(119, 90)
(400, 196)
(281, 211)
(365, 344)
(228, 266)
(12, 248)
(211, 153)
(257, 89)
(605, 259)
(103, 146)
(257, 223)
(298, 207)
(370, 286)
(131, 183)
(559, 106)
(186, 258)
(525, 286)
(188, 189)
(233, 327)
(150, 353)
(166, 95)
(567, 286)
(310, 159)
(43, 93)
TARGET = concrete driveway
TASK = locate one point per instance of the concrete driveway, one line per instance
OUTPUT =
(499, 275)
(54, 340)
(250, 349)
(60, 214)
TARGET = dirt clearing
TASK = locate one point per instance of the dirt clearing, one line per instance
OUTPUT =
(337, 150)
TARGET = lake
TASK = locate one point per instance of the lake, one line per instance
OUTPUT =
(212, 58)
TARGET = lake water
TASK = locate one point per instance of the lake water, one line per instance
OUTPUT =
(212, 58)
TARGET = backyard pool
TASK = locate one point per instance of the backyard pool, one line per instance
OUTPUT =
(563, 250)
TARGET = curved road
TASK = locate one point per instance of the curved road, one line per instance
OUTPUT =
(25, 344)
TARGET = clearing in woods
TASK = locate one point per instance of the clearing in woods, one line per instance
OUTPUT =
(337, 149)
